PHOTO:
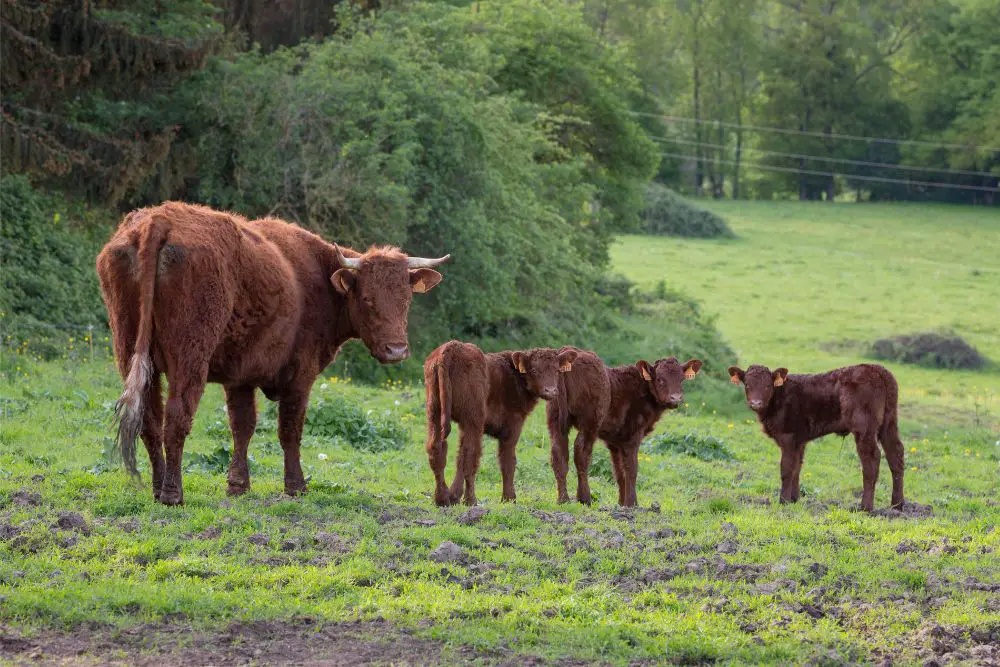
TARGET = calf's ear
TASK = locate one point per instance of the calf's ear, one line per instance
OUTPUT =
(566, 360)
(779, 376)
(424, 280)
(691, 368)
(644, 369)
(518, 359)
(735, 374)
(343, 280)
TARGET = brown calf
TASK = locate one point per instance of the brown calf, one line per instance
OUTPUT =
(619, 405)
(794, 409)
(204, 296)
(484, 393)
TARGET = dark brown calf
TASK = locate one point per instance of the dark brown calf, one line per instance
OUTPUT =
(619, 405)
(484, 393)
(794, 409)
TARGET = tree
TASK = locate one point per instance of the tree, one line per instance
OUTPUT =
(62, 60)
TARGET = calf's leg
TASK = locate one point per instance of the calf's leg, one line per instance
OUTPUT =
(630, 459)
(870, 457)
(437, 455)
(894, 456)
(507, 458)
(583, 448)
(470, 453)
(242, 408)
(559, 458)
(618, 467)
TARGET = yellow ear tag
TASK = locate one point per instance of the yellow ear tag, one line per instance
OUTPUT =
(565, 367)
(689, 374)
(646, 376)
(735, 379)
(778, 381)
(520, 366)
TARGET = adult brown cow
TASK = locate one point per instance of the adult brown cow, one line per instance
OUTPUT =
(206, 296)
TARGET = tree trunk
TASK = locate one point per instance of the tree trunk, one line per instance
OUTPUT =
(699, 175)
(804, 194)
(739, 132)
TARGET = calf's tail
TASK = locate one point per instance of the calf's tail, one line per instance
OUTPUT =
(889, 431)
(131, 407)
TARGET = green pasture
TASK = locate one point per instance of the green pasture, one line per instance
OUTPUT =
(709, 568)
(810, 285)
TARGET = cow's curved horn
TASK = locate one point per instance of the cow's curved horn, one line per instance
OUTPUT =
(346, 262)
(425, 263)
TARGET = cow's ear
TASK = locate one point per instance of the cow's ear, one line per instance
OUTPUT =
(644, 369)
(424, 280)
(779, 376)
(735, 374)
(343, 280)
(691, 368)
(518, 359)
(566, 360)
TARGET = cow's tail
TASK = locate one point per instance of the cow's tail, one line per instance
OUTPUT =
(131, 407)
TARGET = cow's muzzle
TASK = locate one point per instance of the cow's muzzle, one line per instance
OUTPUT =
(392, 353)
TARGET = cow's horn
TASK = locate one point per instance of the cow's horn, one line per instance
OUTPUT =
(346, 262)
(425, 263)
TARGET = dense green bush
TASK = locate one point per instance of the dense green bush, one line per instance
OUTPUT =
(667, 213)
(48, 274)
(934, 350)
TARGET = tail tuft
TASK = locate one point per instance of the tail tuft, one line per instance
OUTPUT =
(130, 408)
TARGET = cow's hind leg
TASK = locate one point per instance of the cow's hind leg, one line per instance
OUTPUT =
(186, 385)
(291, 418)
(152, 432)
(242, 408)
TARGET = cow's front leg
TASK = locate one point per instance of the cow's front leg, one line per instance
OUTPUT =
(291, 417)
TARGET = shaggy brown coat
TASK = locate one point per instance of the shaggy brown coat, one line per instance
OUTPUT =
(619, 405)
(490, 394)
(794, 409)
(205, 296)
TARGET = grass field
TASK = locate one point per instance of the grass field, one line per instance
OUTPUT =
(710, 568)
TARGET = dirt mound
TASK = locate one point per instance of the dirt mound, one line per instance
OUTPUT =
(933, 350)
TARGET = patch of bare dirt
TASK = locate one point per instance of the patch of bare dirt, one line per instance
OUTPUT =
(298, 642)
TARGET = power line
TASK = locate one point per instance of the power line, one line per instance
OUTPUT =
(864, 163)
(810, 172)
(822, 135)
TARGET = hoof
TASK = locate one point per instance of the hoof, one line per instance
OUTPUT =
(563, 499)
(584, 499)
(295, 489)
(171, 498)
(509, 499)
(237, 489)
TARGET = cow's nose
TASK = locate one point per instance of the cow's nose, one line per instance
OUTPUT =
(549, 392)
(756, 404)
(677, 398)
(396, 351)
